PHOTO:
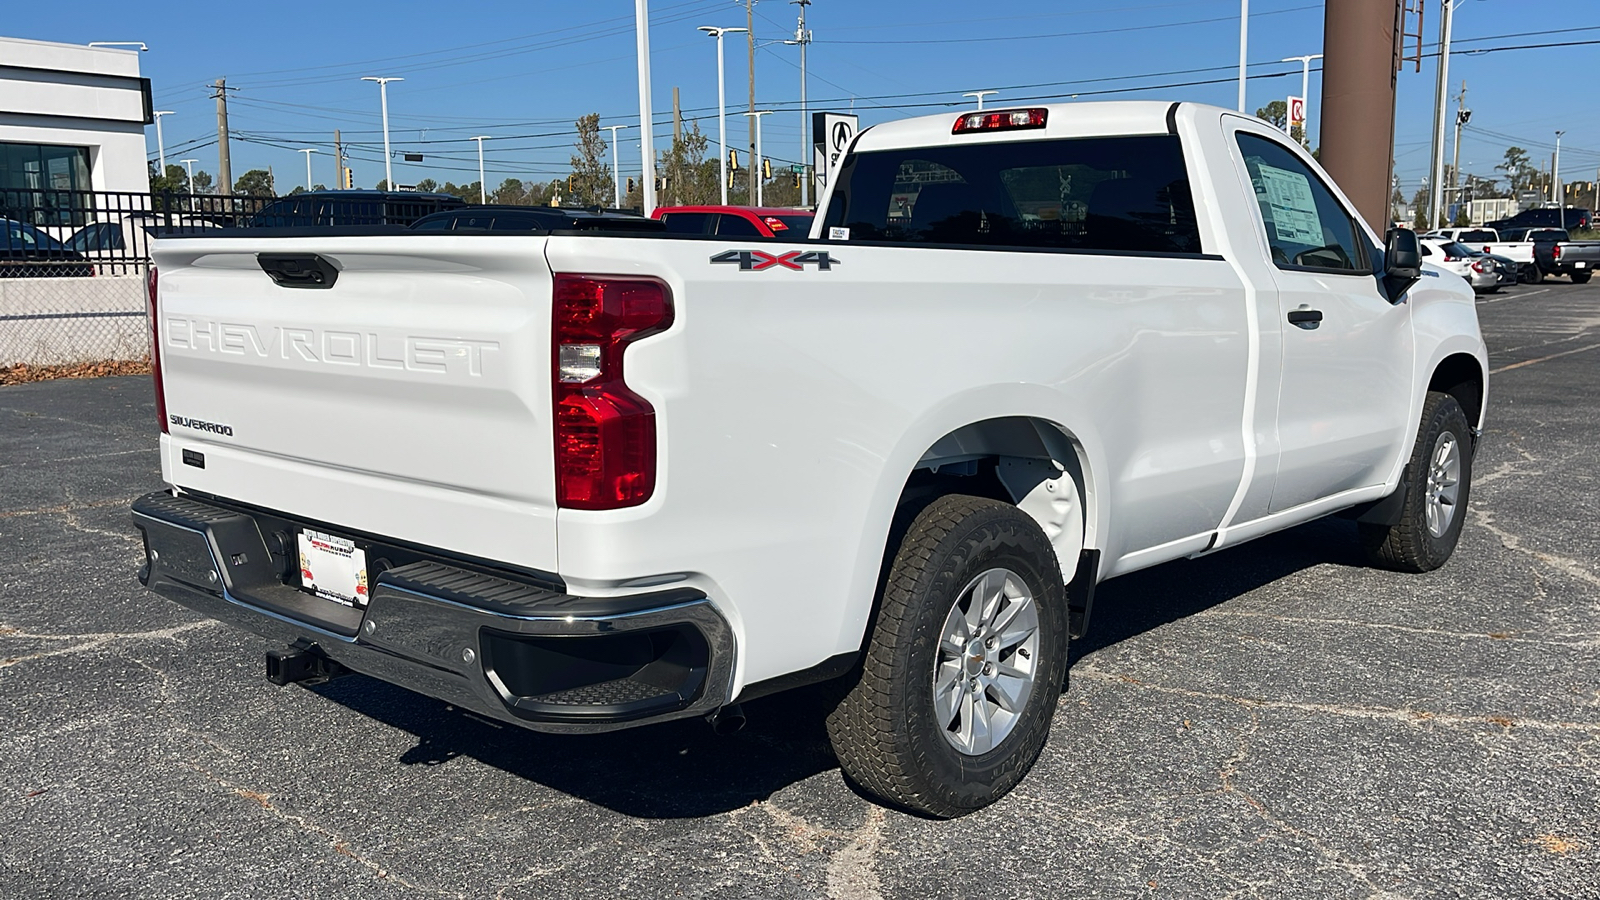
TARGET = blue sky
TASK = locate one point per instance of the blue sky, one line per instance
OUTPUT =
(521, 72)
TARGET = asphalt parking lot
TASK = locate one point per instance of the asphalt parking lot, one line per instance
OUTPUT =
(1275, 720)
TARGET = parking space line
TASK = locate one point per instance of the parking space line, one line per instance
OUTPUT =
(1529, 362)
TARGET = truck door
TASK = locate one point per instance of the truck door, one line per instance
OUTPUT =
(1344, 397)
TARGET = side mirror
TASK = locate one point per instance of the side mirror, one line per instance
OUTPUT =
(1402, 255)
(1402, 262)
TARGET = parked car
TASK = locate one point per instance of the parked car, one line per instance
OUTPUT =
(1476, 268)
(1555, 253)
(536, 219)
(1511, 244)
(27, 252)
(577, 482)
(1576, 218)
(118, 244)
(737, 221)
(342, 208)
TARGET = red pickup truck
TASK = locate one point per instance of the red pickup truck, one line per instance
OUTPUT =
(738, 221)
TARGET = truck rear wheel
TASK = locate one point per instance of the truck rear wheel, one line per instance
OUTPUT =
(1581, 277)
(1439, 482)
(959, 682)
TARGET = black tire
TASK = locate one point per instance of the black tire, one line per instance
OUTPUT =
(1536, 276)
(1411, 546)
(1581, 277)
(1530, 274)
(884, 732)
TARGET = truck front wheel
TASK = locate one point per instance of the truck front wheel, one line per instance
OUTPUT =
(959, 681)
(1439, 479)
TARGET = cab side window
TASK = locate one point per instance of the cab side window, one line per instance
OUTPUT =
(1306, 226)
(736, 226)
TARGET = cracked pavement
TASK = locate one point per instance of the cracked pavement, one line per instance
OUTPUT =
(1275, 720)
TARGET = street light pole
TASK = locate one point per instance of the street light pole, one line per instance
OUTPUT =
(161, 146)
(308, 151)
(980, 95)
(1244, 42)
(189, 164)
(383, 98)
(647, 146)
(616, 170)
(483, 188)
(803, 37)
(1440, 101)
(1305, 90)
(760, 175)
(1555, 182)
(722, 106)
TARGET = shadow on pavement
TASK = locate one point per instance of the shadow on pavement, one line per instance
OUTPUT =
(683, 770)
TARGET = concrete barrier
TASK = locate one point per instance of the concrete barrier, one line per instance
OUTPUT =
(57, 321)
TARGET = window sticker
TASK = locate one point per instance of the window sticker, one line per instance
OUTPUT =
(1294, 209)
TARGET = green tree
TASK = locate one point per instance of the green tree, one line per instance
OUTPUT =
(427, 185)
(510, 193)
(691, 178)
(254, 183)
(1276, 113)
(1517, 170)
(175, 179)
(382, 185)
(590, 184)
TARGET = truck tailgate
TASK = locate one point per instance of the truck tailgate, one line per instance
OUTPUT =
(410, 398)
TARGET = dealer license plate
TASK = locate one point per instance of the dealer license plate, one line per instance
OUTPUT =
(333, 568)
(1580, 264)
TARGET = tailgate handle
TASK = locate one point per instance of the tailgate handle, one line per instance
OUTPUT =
(298, 270)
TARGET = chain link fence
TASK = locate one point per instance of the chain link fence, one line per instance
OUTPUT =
(65, 321)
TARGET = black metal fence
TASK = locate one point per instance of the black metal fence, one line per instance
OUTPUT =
(82, 234)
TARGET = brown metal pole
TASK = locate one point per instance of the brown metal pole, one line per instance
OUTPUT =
(1360, 59)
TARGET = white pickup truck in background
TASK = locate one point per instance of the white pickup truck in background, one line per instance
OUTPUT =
(580, 481)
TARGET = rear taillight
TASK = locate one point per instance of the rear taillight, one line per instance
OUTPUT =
(1449, 258)
(155, 350)
(1481, 265)
(1486, 248)
(1557, 252)
(605, 434)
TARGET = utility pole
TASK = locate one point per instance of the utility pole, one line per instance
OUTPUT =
(750, 42)
(1462, 115)
(677, 118)
(224, 168)
(1440, 101)
(338, 161)
(803, 38)
(1361, 58)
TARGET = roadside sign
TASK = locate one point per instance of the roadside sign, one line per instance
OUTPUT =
(834, 132)
(1297, 112)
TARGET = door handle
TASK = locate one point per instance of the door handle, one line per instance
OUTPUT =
(1305, 318)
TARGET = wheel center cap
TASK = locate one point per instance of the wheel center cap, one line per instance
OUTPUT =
(974, 664)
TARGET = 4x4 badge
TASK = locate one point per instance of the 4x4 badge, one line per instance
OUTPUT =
(756, 261)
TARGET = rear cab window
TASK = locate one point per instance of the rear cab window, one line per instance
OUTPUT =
(737, 226)
(688, 222)
(1107, 194)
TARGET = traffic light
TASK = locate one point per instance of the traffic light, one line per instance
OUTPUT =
(766, 169)
(571, 187)
(630, 185)
(349, 180)
(733, 159)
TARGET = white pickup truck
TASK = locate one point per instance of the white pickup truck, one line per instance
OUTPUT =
(579, 481)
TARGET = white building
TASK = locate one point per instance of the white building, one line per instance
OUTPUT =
(72, 118)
